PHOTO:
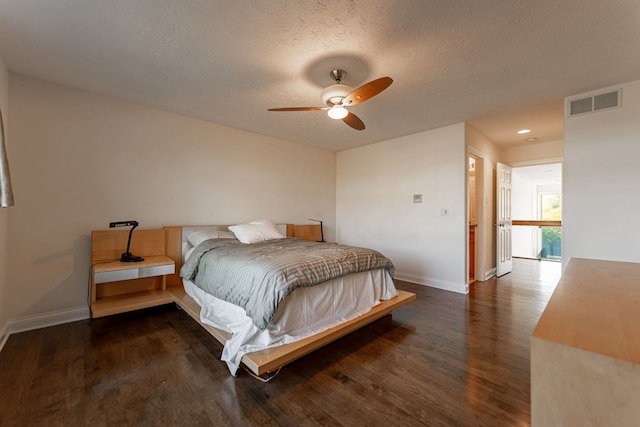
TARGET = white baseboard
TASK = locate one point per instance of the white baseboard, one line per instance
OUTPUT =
(489, 274)
(460, 288)
(29, 323)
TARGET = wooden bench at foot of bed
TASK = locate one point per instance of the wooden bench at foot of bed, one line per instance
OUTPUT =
(271, 359)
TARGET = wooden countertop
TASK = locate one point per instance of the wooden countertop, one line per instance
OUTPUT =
(595, 307)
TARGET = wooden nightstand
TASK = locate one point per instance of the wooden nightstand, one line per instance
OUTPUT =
(117, 287)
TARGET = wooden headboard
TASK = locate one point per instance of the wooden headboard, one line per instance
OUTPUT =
(176, 238)
(311, 232)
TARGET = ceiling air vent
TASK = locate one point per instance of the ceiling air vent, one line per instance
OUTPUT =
(606, 100)
(580, 106)
(593, 103)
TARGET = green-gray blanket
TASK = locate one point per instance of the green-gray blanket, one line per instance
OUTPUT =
(258, 276)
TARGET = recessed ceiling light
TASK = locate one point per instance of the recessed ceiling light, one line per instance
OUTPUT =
(532, 139)
(522, 131)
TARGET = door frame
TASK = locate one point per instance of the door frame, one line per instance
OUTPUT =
(481, 213)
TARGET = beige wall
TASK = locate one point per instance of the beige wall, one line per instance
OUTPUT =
(375, 188)
(375, 185)
(81, 160)
(538, 153)
(4, 107)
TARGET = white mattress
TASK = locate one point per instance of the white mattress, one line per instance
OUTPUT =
(305, 312)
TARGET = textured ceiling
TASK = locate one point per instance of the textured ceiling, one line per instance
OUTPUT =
(499, 64)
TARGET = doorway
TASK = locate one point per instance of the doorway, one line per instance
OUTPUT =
(476, 212)
(537, 212)
(473, 222)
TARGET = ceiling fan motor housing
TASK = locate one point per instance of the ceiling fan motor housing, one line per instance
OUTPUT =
(334, 94)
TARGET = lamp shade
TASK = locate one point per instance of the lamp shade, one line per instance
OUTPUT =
(337, 113)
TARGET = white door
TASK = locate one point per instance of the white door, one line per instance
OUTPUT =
(503, 224)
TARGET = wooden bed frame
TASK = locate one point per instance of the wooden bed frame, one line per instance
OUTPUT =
(271, 359)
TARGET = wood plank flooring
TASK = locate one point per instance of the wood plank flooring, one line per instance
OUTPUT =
(443, 360)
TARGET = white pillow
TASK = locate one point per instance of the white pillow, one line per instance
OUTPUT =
(256, 231)
(197, 237)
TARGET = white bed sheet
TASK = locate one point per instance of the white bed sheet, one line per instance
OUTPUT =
(305, 312)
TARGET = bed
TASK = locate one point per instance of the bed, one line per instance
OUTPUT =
(306, 318)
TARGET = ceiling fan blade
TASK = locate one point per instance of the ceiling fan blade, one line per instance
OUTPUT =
(354, 121)
(367, 90)
(298, 109)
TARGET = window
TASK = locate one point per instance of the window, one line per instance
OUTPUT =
(551, 237)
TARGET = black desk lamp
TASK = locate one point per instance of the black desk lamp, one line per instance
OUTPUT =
(127, 256)
(321, 230)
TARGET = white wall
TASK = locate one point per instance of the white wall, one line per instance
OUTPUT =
(601, 196)
(81, 160)
(374, 204)
(4, 306)
(524, 207)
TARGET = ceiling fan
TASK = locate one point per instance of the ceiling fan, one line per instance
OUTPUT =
(338, 96)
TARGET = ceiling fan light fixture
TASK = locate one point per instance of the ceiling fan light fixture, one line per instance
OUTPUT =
(334, 94)
(338, 96)
(338, 113)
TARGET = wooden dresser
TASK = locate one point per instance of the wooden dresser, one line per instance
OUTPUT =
(585, 349)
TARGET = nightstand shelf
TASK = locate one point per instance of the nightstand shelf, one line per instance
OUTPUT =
(118, 287)
(129, 302)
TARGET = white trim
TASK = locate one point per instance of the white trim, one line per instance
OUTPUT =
(539, 162)
(30, 323)
(460, 288)
(476, 152)
(489, 274)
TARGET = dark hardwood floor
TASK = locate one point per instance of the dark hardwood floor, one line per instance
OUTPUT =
(443, 360)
